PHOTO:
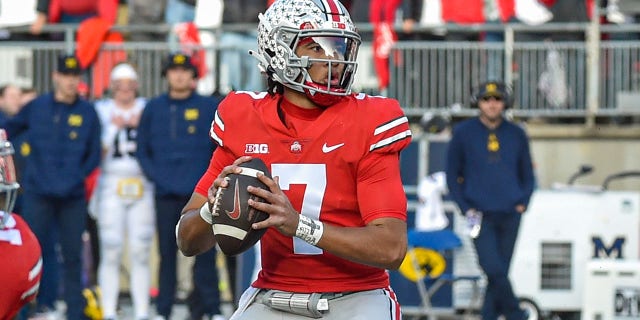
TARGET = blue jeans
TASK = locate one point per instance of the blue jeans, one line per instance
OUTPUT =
(205, 299)
(68, 215)
(239, 70)
(494, 247)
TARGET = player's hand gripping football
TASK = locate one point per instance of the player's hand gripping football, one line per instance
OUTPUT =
(282, 215)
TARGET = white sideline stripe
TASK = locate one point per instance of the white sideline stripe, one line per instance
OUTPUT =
(390, 125)
(36, 269)
(250, 172)
(31, 291)
(390, 140)
(230, 231)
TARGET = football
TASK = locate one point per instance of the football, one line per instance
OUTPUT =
(232, 215)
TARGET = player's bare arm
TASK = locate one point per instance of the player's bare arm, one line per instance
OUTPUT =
(353, 243)
(194, 235)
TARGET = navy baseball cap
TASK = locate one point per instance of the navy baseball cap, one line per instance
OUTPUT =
(69, 64)
(492, 89)
(179, 59)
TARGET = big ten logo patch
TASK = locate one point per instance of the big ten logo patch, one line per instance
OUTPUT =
(256, 148)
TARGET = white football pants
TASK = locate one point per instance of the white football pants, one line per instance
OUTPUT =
(119, 217)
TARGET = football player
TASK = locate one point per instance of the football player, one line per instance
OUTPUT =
(19, 247)
(336, 204)
(124, 197)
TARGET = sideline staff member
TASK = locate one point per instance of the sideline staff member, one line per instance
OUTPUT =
(489, 171)
(64, 132)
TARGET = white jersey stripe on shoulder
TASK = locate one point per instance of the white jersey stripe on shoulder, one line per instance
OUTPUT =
(31, 291)
(35, 270)
(215, 137)
(390, 140)
(217, 121)
(390, 125)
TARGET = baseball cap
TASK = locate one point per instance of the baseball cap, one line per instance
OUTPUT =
(69, 64)
(492, 89)
(179, 60)
(123, 71)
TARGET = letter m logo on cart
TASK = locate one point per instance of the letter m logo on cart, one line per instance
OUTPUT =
(600, 250)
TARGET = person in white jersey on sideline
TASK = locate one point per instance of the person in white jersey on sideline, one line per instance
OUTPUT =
(124, 197)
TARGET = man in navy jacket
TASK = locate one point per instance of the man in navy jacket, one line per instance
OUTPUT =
(64, 135)
(490, 175)
(174, 149)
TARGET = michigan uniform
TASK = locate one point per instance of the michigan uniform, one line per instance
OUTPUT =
(124, 208)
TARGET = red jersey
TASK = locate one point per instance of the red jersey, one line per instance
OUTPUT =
(339, 165)
(21, 266)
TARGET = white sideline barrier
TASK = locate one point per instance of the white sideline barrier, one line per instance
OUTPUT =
(612, 290)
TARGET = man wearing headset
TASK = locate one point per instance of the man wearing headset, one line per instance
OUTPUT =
(174, 150)
(490, 176)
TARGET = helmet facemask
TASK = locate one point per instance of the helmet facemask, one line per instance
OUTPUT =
(335, 67)
(333, 36)
(8, 183)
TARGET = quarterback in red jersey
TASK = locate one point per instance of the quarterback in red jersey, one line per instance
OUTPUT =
(336, 205)
(19, 248)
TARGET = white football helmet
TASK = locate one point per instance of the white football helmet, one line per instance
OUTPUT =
(8, 183)
(325, 22)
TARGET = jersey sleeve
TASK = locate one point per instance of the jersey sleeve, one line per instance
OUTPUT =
(380, 190)
(231, 109)
(221, 158)
(390, 132)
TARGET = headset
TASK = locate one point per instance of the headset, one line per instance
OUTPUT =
(493, 86)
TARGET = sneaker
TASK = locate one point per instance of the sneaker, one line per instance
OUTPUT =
(218, 317)
(158, 317)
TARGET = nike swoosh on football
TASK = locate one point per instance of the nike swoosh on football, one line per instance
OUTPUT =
(235, 214)
(327, 149)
